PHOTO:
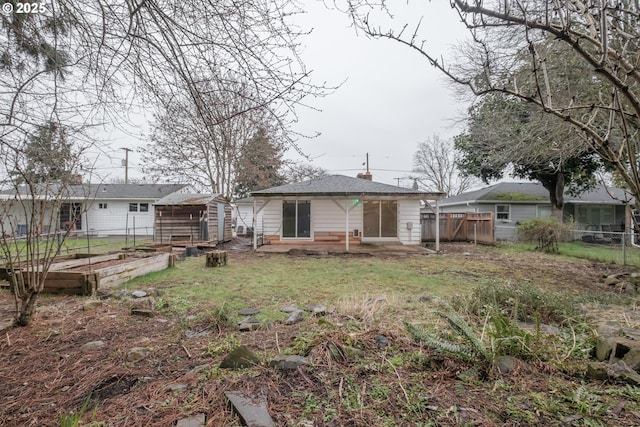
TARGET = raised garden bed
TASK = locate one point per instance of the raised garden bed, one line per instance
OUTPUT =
(84, 274)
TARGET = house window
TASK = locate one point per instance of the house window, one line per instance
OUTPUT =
(296, 219)
(503, 212)
(144, 207)
(102, 206)
(133, 207)
(71, 216)
(380, 218)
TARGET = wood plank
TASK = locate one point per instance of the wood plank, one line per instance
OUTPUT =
(82, 261)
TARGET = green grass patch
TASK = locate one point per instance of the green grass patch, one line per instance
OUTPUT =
(606, 254)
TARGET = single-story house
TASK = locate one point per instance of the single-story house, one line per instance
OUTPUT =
(600, 209)
(95, 209)
(187, 217)
(337, 209)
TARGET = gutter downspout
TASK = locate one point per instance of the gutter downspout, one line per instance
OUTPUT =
(346, 231)
(437, 226)
(253, 224)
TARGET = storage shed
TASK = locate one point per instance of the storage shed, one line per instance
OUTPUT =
(192, 218)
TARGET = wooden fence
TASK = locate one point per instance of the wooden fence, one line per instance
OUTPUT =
(459, 227)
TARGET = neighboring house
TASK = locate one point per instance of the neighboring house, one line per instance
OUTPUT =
(95, 209)
(339, 209)
(192, 218)
(514, 202)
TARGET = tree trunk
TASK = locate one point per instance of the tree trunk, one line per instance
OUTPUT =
(27, 308)
(554, 184)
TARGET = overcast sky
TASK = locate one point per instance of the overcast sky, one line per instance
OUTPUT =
(391, 98)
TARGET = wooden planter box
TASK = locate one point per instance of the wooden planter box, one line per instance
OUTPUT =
(85, 275)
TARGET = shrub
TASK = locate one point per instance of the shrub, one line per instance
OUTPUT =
(546, 232)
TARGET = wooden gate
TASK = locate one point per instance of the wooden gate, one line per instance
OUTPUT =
(459, 227)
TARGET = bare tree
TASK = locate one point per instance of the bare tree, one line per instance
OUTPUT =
(296, 172)
(436, 160)
(512, 49)
(82, 63)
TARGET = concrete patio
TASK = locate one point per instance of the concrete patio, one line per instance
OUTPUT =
(367, 249)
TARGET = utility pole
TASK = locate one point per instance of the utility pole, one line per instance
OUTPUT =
(398, 180)
(126, 164)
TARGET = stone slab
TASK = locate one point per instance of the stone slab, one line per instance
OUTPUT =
(252, 410)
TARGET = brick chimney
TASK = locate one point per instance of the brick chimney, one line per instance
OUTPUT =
(367, 175)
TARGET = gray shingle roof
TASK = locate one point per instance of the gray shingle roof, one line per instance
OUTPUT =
(110, 191)
(340, 185)
(532, 192)
(124, 191)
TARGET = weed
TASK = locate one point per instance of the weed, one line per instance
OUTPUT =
(74, 419)
(222, 345)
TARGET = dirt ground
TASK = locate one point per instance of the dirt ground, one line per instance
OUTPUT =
(45, 374)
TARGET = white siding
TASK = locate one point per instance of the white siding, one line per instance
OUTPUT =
(243, 213)
(271, 221)
(409, 212)
(327, 216)
(116, 218)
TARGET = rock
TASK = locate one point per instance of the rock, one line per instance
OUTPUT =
(142, 312)
(287, 362)
(248, 311)
(632, 358)
(144, 303)
(91, 304)
(138, 294)
(136, 353)
(248, 320)
(381, 341)
(611, 280)
(604, 346)
(597, 371)
(316, 309)
(506, 364)
(176, 387)
(92, 345)
(621, 372)
(288, 309)
(198, 420)
(249, 324)
(252, 410)
(239, 358)
(248, 327)
(295, 317)
(608, 328)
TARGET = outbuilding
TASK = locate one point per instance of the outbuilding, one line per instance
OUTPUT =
(192, 218)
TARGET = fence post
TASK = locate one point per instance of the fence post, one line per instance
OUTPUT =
(624, 249)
